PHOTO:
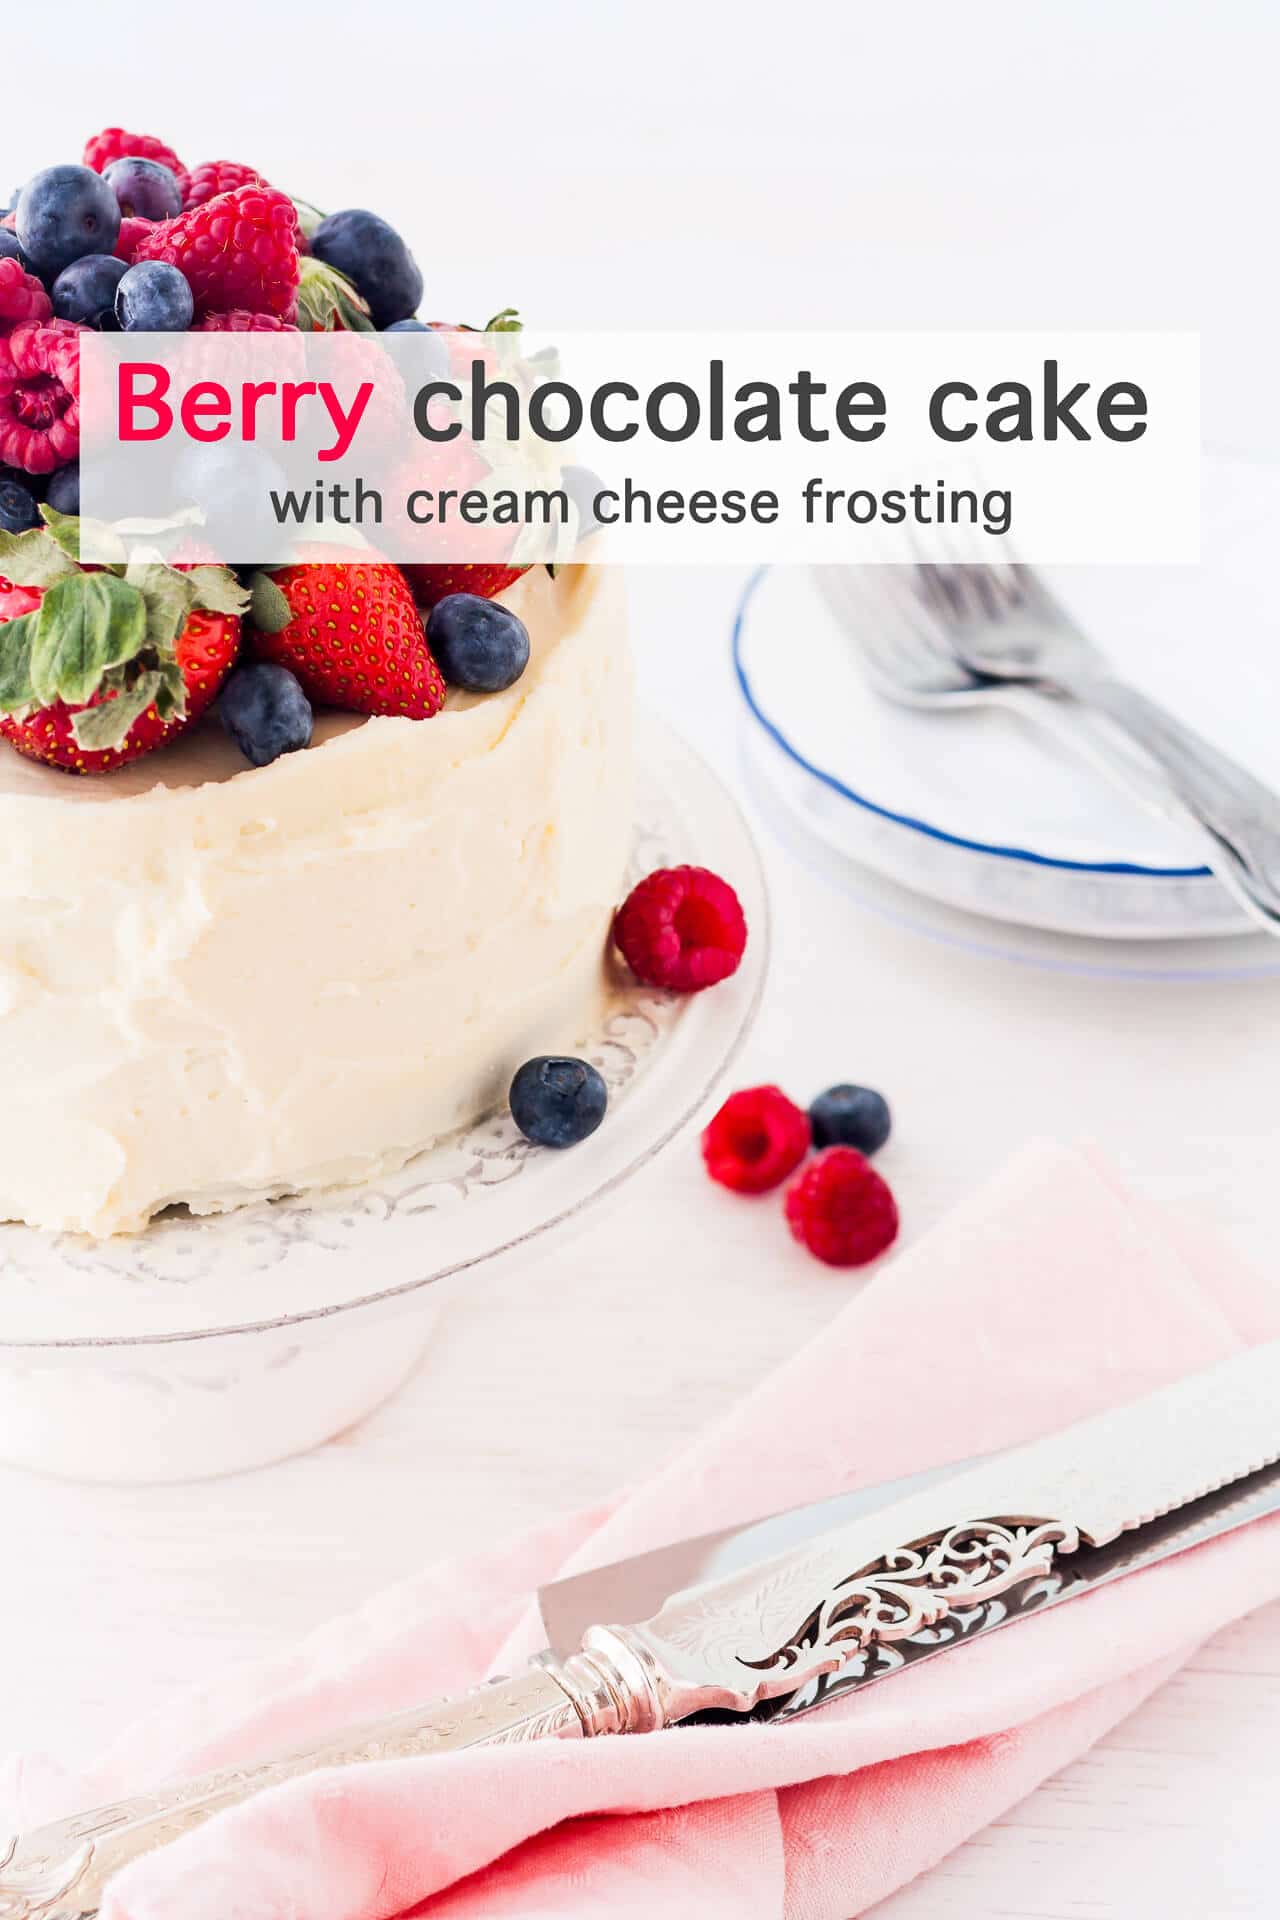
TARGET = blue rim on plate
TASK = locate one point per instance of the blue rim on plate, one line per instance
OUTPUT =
(1023, 854)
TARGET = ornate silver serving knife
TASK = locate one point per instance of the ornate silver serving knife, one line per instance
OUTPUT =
(779, 1617)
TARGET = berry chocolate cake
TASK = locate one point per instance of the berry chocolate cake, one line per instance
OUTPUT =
(221, 981)
(298, 867)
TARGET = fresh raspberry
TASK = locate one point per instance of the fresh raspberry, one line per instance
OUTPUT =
(213, 177)
(238, 252)
(682, 928)
(240, 322)
(40, 396)
(113, 143)
(841, 1209)
(756, 1139)
(132, 232)
(22, 299)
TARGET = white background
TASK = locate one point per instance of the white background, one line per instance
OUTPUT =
(990, 165)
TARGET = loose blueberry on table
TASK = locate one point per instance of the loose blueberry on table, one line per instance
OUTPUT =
(849, 1116)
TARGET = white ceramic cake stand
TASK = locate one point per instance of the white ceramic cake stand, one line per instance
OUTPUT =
(205, 1346)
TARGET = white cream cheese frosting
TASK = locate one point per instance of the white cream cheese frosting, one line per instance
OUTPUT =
(219, 983)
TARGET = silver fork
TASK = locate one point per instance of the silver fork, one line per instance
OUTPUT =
(945, 635)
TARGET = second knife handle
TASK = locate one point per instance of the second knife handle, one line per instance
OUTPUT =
(59, 1872)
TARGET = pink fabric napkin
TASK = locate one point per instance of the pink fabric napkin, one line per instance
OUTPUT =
(1049, 1296)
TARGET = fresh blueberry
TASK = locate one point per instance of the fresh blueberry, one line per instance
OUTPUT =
(429, 359)
(557, 1102)
(18, 509)
(86, 290)
(479, 645)
(63, 213)
(582, 486)
(375, 258)
(145, 189)
(265, 711)
(9, 248)
(154, 297)
(846, 1116)
(63, 493)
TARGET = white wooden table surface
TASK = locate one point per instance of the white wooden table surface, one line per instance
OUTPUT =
(841, 164)
(109, 1598)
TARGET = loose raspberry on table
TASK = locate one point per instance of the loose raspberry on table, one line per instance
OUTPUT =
(213, 177)
(841, 1209)
(755, 1140)
(113, 143)
(682, 928)
(239, 252)
(40, 396)
(22, 298)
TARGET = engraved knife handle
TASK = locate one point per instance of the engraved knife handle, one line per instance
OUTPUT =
(60, 1872)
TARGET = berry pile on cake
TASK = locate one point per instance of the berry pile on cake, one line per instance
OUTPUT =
(345, 871)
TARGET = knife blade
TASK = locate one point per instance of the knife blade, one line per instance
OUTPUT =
(782, 1615)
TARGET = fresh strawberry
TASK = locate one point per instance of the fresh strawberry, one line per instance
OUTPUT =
(240, 322)
(430, 584)
(213, 177)
(351, 634)
(150, 652)
(239, 252)
(40, 395)
(113, 143)
(22, 298)
(132, 232)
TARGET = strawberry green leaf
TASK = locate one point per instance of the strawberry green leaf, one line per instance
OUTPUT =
(508, 321)
(16, 639)
(217, 590)
(269, 611)
(99, 729)
(309, 217)
(128, 694)
(167, 597)
(327, 301)
(33, 559)
(171, 694)
(88, 623)
(65, 529)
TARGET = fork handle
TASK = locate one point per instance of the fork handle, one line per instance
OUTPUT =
(1239, 815)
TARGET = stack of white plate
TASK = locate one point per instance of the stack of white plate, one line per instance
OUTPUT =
(980, 813)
